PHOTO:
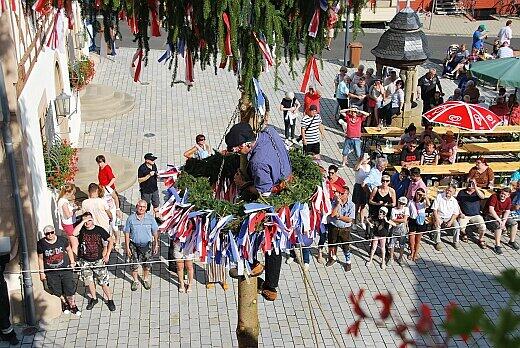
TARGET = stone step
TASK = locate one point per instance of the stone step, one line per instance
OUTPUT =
(96, 94)
(101, 102)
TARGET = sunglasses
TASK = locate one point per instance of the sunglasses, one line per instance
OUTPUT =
(202, 140)
(332, 173)
(48, 233)
(385, 180)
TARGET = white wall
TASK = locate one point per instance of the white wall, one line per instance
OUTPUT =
(42, 82)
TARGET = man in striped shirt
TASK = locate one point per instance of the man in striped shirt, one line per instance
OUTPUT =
(312, 130)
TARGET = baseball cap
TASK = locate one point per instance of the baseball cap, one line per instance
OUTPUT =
(482, 27)
(385, 209)
(403, 200)
(150, 156)
(450, 133)
(239, 134)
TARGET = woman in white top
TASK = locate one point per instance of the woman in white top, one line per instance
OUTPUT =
(66, 211)
(359, 195)
(201, 149)
(417, 222)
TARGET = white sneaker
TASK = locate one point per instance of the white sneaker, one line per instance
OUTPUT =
(369, 263)
(306, 266)
(289, 260)
(383, 266)
(294, 141)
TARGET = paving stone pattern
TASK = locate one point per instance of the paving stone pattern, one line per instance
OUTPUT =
(163, 317)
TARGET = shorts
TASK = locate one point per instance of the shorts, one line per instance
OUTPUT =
(330, 32)
(493, 225)
(311, 149)
(91, 270)
(398, 238)
(179, 255)
(359, 195)
(352, 144)
(61, 283)
(68, 229)
(338, 235)
(140, 254)
(413, 226)
(152, 198)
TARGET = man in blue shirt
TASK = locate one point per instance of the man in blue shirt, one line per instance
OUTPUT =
(268, 159)
(341, 218)
(400, 182)
(479, 36)
(268, 165)
(141, 237)
(375, 174)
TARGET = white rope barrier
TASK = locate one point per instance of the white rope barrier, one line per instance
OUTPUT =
(362, 240)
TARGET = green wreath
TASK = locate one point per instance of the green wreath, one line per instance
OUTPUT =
(198, 176)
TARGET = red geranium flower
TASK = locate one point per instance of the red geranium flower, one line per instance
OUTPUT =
(356, 300)
(387, 301)
(425, 323)
(354, 328)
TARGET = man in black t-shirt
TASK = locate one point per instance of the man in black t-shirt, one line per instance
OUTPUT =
(411, 155)
(95, 245)
(54, 258)
(147, 178)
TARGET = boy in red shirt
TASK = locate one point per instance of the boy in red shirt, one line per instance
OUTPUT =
(312, 97)
(497, 210)
(352, 124)
(105, 175)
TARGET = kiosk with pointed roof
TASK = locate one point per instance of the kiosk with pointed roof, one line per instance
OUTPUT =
(404, 46)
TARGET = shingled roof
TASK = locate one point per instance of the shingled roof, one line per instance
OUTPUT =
(404, 43)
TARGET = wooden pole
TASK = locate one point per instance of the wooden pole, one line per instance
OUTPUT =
(248, 326)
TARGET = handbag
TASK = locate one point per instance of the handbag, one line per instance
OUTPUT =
(292, 115)
(421, 217)
(312, 122)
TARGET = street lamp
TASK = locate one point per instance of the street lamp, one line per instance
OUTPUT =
(62, 105)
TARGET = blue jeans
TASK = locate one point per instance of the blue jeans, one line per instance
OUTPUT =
(306, 252)
(352, 144)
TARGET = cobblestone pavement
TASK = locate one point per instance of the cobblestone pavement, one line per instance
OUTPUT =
(163, 317)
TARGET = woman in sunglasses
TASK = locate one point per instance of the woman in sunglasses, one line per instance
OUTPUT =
(417, 221)
(380, 228)
(381, 196)
(54, 259)
(201, 149)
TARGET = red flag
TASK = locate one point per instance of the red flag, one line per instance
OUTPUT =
(155, 24)
(262, 43)
(53, 38)
(227, 39)
(312, 65)
(139, 57)
(189, 68)
(315, 22)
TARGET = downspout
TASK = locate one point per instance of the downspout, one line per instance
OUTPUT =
(7, 138)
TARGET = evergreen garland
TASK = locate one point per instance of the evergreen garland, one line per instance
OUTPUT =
(198, 176)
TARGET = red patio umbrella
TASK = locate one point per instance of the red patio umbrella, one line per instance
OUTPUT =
(463, 115)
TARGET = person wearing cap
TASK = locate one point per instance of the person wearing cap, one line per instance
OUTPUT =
(54, 259)
(379, 227)
(312, 97)
(448, 148)
(268, 163)
(341, 219)
(479, 36)
(312, 130)
(147, 178)
(354, 119)
(289, 106)
(399, 216)
(446, 211)
(268, 167)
